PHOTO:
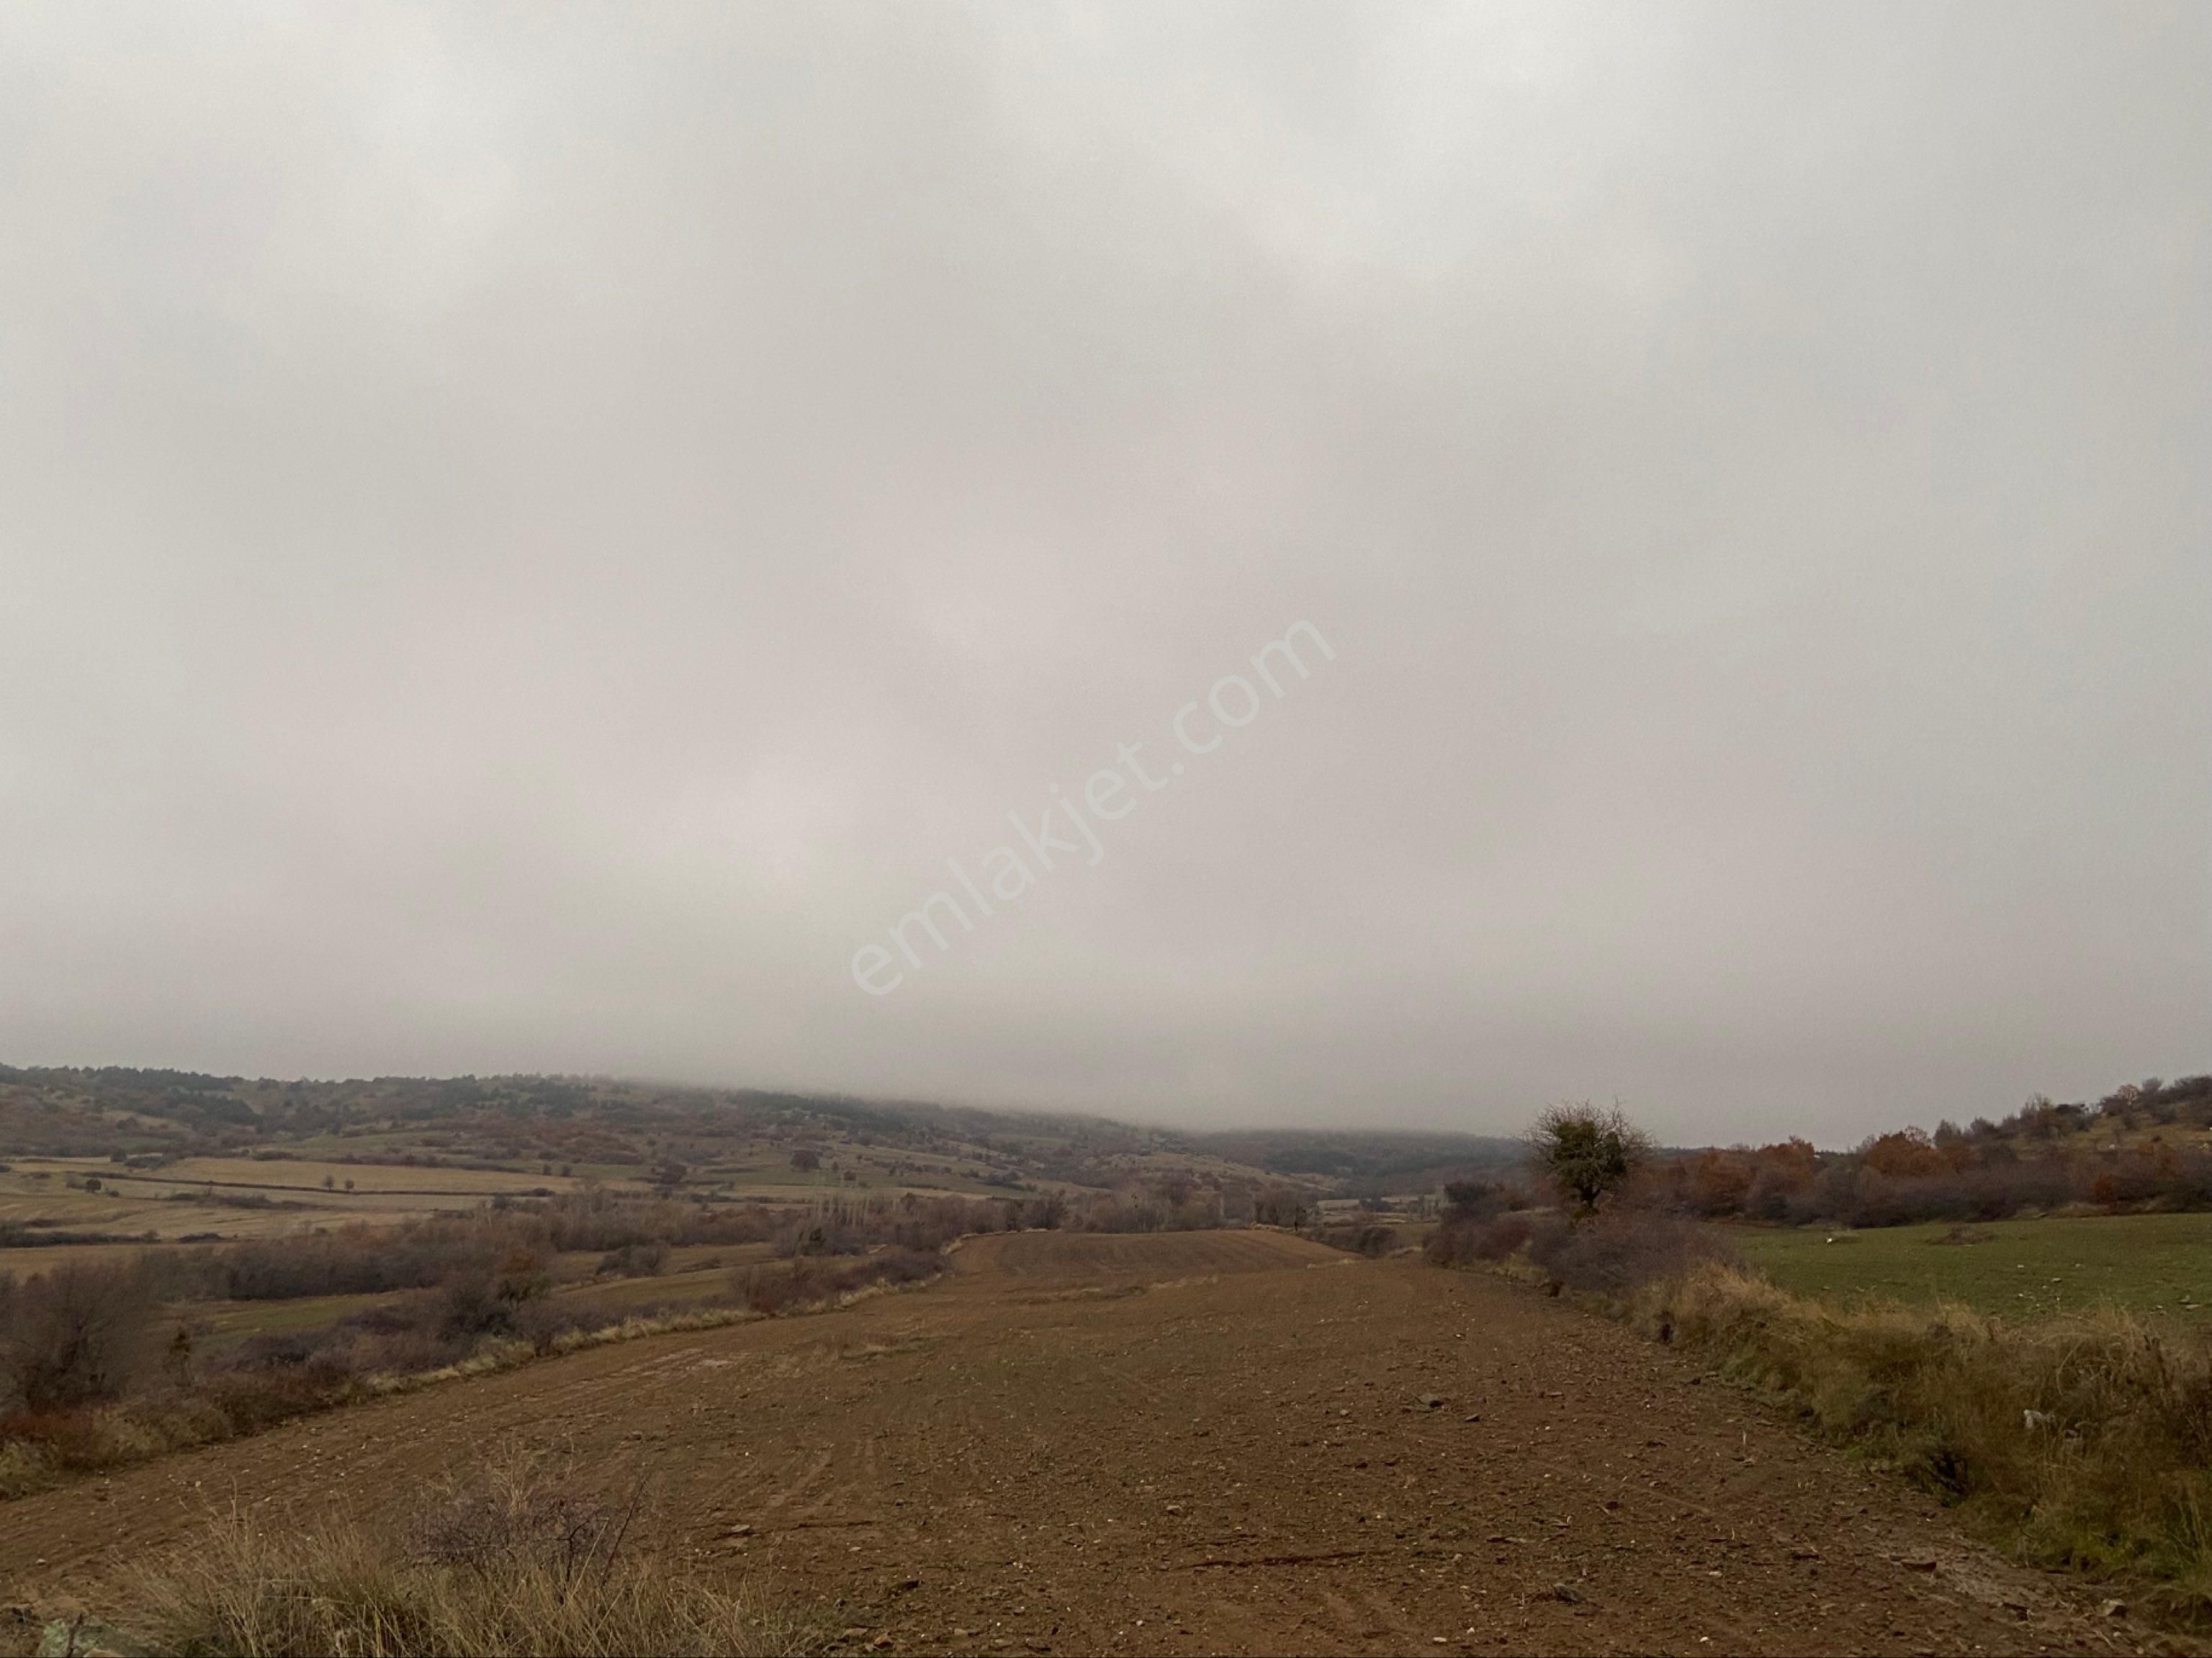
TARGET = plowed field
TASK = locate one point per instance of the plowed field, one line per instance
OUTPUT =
(1236, 1442)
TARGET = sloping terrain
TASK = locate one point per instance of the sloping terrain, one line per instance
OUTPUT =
(1226, 1442)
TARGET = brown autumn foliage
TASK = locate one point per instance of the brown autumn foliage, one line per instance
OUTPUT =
(2044, 1156)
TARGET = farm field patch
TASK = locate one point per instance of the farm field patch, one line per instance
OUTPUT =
(2008, 1268)
(1246, 1445)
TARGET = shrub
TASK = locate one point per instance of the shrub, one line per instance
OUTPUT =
(516, 1513)
(1280, 1205)
(1477, 1200)
(74, 1334)
(1461, 1240)
(1777, 1196)
(771, 1290)
(809, 1282)
(1615, 1251)
(247, 1399)
(1361, 1239)
(525, 1272)
(636, 1260)
(468, 1305)
(820, 1238)
(904, 1266)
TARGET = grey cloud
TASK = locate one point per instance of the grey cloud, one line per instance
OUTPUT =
(528, 536)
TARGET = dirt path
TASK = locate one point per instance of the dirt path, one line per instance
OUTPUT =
(1187, 1444)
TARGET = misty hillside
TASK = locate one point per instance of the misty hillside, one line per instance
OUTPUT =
(627, 1130)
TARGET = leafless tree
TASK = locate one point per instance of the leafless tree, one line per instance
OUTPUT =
(74, 1334)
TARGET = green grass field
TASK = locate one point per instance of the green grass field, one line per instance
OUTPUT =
(223, 1324)
(2013, 1268)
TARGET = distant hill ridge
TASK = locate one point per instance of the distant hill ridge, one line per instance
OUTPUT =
(126, 1111)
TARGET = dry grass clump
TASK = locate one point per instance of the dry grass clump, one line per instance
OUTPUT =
(2087, 1440)
(515, 1513)
(516, 1561)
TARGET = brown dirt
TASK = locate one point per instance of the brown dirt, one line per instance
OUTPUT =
(1201, 1443)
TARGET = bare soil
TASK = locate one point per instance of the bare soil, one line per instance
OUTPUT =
(1183, 1443)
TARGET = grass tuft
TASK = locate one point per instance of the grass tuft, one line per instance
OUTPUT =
(512, 1562)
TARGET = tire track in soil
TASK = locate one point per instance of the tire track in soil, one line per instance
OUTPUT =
(1226, 1450)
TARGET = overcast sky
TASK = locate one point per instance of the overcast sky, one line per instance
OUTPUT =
(531, 538)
